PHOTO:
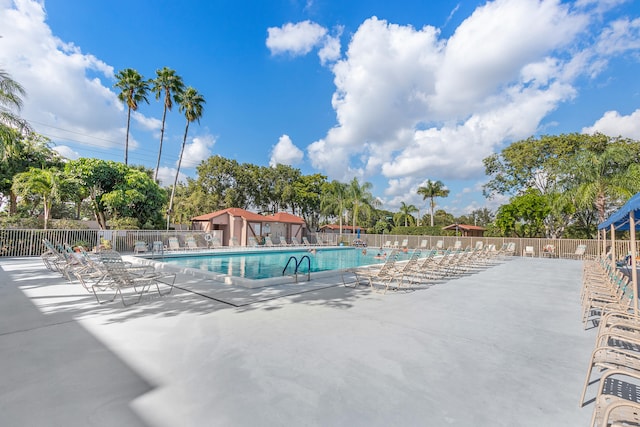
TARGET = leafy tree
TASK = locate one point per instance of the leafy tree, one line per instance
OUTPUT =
(333, 200)
(283, 190)
(430, 191)
(524, 215)
(218, 180)
(442, 218)
(133, 90)
(191, 103)
(73, 190)
(598, 179)
(135, 196)
(27, 150)
(43, 184)
(100, 177)
(307, 191)
(168, 85)
(480, 217)
(360, 199)
(534, 162)
(11, 94)
(405, 214)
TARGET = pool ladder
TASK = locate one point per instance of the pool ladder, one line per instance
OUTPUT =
(297, 264)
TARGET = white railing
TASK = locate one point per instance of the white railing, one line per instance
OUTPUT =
(28, 242)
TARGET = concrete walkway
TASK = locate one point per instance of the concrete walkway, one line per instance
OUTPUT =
(503, 347)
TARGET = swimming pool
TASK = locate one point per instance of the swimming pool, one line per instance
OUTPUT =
(241, 267)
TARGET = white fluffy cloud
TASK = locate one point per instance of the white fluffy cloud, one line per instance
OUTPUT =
(614, 124)
(285, 152)
(300, 38)
(67, 100)
(410, 104)
(167, 175)
(297, 39)
(198, 150)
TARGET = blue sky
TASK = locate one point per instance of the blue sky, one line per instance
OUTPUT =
(394, 93)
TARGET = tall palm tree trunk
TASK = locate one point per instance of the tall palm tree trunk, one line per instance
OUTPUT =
(164, 116)
(175, 181)
(432, 206)
(126, 141)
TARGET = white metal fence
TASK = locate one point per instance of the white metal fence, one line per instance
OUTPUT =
(28, 242)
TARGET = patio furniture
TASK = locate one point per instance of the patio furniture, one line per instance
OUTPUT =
(139, 247)
(233, 241)
(283, 241)
(380, 278)
(528, 251)
(549, 251)
(192, 244)
(174, 245)
(268, 242)
(252, 241)
(294, 241)
(122, 279)
(306, 241)
(578, 254)
(616, 401)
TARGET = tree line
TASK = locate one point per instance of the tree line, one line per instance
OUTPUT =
(558, 185)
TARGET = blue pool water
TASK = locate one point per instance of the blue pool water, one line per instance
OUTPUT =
(269, 264)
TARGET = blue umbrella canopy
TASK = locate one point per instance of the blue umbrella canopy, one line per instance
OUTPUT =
(620, 218)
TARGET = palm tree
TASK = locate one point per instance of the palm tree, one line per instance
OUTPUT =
(43, 183)
(333, 199)
(190, 102)
(405, 213)
(597, 179)
(169, 84)
(360, 198)
(432, 190)
(133, 90)
(11, 125)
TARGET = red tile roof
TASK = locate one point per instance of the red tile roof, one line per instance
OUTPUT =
(286, 217)
(463, 227)
(337, 227)
(251, 216)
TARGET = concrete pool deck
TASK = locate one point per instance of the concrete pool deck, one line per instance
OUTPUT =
(502, 347)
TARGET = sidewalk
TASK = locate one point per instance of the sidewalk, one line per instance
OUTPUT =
(503, 347)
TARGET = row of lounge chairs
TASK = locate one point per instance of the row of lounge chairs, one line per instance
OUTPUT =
(106, 274)
(439, 246)
(607, 303)
(282, 241)
(424, 268)
(191, 243)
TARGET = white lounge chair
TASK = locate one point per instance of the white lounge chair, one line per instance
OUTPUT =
(192, 244)
(528, 251)
(578, 254)
(139, 247)
(174, 245)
